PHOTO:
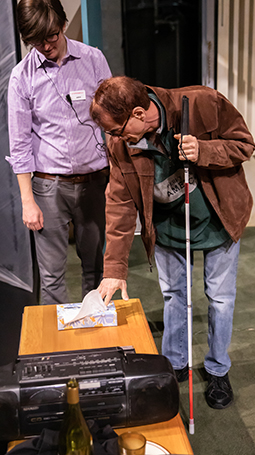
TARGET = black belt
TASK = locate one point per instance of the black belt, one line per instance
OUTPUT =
(75, 178)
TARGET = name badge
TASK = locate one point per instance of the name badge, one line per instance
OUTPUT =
(78, 95)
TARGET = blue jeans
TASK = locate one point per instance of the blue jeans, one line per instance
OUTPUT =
(220, 270)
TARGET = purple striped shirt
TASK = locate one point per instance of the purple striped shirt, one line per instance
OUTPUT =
(45, 134)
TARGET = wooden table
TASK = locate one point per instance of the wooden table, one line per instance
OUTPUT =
(39, 334)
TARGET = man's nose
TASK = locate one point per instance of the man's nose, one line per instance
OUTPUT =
(116, 138)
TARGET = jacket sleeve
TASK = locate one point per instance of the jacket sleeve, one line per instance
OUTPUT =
(231, 144)
(121, 214)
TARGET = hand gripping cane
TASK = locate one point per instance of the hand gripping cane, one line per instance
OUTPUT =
(185, 131)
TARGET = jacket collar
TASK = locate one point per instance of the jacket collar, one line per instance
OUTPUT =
(201, 120)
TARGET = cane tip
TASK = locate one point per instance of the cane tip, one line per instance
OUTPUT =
(191, 427)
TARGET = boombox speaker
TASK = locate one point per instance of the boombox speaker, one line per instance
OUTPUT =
(9, 404)
(153, 394)
(150, 400)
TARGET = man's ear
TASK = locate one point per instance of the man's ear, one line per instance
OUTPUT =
(139, 112)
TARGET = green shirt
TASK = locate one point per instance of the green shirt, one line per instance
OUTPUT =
(206, 229)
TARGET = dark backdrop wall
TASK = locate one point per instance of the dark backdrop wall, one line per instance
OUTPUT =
(162, 41)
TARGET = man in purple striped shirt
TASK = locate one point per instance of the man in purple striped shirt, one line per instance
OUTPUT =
(53, 138)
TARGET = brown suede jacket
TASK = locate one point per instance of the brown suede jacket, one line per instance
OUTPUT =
(224, 143)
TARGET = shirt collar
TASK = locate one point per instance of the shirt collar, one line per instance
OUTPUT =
(72, 49)
(143, 144)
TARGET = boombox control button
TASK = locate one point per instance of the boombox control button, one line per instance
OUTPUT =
(83, 372)
(36, 419)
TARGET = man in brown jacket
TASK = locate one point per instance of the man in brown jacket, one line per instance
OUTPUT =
(147, 176)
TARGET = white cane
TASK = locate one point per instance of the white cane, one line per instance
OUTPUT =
(185, 131)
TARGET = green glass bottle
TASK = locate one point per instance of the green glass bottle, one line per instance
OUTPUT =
(74, 436)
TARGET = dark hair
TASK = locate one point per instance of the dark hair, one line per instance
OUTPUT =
(37, 18)
(118, 96)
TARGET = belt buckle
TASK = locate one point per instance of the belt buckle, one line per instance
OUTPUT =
(73, 179)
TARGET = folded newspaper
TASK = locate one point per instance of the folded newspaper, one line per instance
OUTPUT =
(91, 312)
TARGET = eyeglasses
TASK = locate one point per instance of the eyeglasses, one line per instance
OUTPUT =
(114, 133)
(53, 38)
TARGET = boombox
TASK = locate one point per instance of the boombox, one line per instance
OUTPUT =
(116, 387)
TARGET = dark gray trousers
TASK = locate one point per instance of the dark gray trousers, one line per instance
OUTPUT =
(83, 204)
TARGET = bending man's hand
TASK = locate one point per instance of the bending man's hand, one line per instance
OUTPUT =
(109, 286)
(190, 147)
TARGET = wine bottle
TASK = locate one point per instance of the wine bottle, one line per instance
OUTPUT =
(74, 437)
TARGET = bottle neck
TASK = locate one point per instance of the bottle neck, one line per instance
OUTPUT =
(72, 395)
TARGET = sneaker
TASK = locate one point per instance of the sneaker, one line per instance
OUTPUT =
(219, 393)
(183, 374)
